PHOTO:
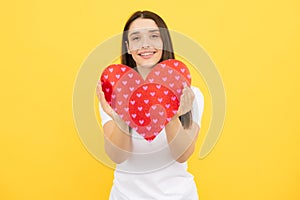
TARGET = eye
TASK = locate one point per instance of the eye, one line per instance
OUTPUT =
(135, 38)
(155, 36)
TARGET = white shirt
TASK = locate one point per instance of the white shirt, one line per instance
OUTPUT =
(151, 172)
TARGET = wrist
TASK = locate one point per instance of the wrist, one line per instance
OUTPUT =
(174, 120)
(120, 123)
(176, 116)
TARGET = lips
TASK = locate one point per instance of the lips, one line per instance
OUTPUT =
(146, 54)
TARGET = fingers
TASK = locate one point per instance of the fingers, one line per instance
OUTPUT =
(188, 94)
(100, 94)
(186, 100)
(108, 109)
(99, 90)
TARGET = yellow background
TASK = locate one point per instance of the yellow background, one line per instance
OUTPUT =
(254, 44)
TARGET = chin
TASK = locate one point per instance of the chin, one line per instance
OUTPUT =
(148, 65)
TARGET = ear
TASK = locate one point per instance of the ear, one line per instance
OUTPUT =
(127, 47)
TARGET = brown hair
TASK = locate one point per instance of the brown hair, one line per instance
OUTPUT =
(167, 53)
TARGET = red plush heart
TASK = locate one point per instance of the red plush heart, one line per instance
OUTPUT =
(145, 105)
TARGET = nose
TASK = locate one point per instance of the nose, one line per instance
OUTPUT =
(145, 43)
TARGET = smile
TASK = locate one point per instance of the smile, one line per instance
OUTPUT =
(146, 54)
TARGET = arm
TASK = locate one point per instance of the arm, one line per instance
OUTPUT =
(182, 141)
(117, 142)
(116, 132)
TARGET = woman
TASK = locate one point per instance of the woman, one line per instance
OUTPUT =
(156, 170)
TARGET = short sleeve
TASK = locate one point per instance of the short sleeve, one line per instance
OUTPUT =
(104, 116)
(198, 106)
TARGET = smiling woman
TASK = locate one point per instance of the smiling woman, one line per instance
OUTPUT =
(156, 169)
(146, 22)
(144, 44)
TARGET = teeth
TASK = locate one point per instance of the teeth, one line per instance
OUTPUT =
(146, 54)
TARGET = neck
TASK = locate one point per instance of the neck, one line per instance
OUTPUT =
(144, 71)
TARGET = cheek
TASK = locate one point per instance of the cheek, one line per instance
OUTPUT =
(159, 54)
(134, 56)
(158, 44)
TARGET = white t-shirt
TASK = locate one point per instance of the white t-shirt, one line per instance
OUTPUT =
(151, 173)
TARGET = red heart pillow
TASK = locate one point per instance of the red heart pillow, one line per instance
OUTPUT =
(145, 105)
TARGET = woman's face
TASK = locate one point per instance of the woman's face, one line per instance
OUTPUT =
(144, 42)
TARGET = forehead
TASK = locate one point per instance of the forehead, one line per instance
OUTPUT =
(141, 25)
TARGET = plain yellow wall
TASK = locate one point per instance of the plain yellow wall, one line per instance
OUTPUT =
(255, 45)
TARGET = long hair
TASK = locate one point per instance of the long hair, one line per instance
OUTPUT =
(167, 52)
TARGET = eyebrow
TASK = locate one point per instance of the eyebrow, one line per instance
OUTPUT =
(137, 32)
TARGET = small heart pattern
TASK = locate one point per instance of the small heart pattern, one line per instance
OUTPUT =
(145, 105)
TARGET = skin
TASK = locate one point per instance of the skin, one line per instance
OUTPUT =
(145, 46)
(144, 33)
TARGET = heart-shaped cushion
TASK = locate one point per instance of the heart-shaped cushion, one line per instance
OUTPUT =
(145, 105)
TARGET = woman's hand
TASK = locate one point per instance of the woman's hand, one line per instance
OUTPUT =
(108, 110)
(186, 101)
(117, 137)
(182, 141)
(105, 106)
